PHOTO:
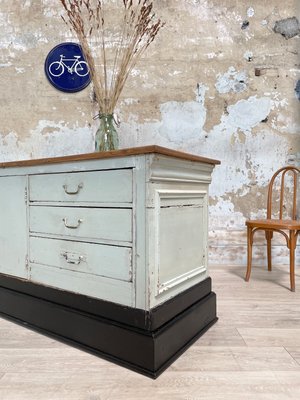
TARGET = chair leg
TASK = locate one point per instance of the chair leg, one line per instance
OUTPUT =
(249, 252)
(292, 259)
(269, 236)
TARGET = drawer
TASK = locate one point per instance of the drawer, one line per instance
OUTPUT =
(99, 287)
(78, 222)
(111, 186)
(88, 258)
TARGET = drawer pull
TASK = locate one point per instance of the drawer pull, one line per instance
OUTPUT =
(72, 226)
(72, 258)
(72, 192)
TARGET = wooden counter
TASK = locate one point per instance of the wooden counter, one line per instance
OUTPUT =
(109, 251)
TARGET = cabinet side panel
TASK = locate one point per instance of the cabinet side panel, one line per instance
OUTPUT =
(180, 241)
(181, 245)
(13, 226)
(177, 225)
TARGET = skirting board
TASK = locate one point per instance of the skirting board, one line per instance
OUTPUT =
(145, 351)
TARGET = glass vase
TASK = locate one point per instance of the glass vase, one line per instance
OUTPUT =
(106, 138)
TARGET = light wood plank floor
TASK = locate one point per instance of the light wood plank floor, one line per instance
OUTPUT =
(253, 352)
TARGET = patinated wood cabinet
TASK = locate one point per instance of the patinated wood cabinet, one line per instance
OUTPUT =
(113, 242)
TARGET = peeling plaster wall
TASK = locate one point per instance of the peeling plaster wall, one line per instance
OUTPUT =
(221, 80)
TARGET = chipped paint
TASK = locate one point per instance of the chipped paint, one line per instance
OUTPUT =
(194, 90)
(9, 64)
(20, 70)
(51, 139)
(246, 114)
(177, 117)
(211, 55)
(232, 81)
(200, 93)
(248, 55)
(288, 27)
(250, 12)
(297, 90)
(245, 25)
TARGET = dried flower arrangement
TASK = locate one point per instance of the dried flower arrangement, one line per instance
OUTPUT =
(137, 27)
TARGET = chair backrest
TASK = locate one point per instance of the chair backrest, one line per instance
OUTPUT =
(294, 171)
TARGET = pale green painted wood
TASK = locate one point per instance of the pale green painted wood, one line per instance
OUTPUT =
(75, 166)
(127, 212)
(90, 285)
(108, 242)
(109, 261)
(95, 186)
(13, 226)
(112, 224)
(82, 204)
(141, 278)
(180, 235)
(176, 225)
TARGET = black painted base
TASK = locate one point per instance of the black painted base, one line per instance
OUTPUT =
(144, 341)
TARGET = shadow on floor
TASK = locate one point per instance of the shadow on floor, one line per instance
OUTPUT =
(261, 273)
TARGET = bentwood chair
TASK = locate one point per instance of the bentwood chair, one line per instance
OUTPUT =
(289, 228)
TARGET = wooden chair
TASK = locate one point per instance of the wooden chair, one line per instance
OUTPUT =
(289, 228)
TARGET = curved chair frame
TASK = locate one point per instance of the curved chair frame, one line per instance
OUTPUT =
(269, 225)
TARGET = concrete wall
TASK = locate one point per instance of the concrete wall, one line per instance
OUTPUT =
(218, 82)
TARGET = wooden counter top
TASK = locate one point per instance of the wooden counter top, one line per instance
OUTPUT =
(110, 154)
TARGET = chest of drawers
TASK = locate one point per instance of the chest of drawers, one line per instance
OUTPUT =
(109, 251)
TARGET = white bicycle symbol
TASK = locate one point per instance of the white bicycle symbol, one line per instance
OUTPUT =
(57, 68)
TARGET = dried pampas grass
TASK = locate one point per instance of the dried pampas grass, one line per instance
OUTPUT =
(134, 29)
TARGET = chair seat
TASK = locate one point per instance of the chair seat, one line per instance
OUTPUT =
(274, 224)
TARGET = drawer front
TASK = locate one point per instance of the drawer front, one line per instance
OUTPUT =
(95, 186)
(96, 259)
(90, 223)
(98, 287)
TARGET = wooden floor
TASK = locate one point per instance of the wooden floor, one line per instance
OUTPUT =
(253, 352)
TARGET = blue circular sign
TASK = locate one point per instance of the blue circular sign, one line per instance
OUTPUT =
(66, 68)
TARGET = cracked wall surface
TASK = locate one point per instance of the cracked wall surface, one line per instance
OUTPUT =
(221, 80)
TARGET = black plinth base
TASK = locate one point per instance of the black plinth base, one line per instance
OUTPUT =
(144, 341)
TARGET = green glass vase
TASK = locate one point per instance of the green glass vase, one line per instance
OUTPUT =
(106, 138)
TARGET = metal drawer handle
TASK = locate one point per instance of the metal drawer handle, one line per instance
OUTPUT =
(72, 258)
(72, 192)
(72, 226)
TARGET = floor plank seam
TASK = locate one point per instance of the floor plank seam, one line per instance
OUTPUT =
(292, 356)
(241, 337)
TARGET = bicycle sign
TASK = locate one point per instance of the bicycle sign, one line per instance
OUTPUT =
(66, 68)
(57, 68)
